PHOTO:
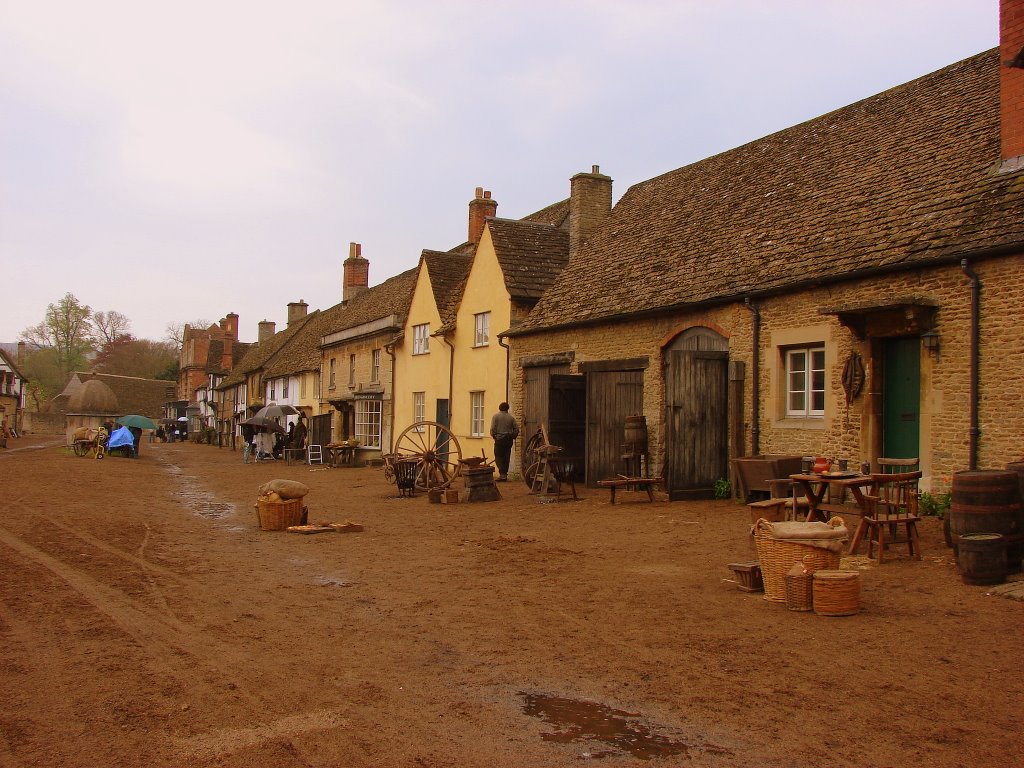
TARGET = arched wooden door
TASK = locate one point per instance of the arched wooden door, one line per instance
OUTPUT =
(696, 413)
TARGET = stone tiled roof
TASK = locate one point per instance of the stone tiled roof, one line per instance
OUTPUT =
(556, 214)
(391, 297)
(259, 354)
(447, 271)
(903, 178)
(530, 254)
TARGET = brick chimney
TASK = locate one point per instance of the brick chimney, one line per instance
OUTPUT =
(297, 310)
(229, 324)
(356, 273)
(267, 328)
(480, 207)
(22, 351)
(590, 200)
(1011, 82)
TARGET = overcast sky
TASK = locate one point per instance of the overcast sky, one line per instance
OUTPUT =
(179, 161)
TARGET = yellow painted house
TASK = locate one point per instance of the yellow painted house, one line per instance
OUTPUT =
(450, 363)
(423, 357)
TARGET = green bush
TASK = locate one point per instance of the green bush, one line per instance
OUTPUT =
(934, 504)
(723, 489)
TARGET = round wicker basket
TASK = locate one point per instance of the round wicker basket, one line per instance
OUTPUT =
(836, 593)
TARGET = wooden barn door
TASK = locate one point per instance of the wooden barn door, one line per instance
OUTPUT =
(696, 415)
(611, 397)
(320, 429)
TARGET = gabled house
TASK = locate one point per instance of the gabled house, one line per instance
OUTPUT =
(451, 362)
(246, 389)
(356, 367)
(204, 351)
(423, 357)
(848, 287)
(514, 263)
(12, 394)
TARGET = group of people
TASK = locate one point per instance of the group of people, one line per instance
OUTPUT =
(264, 444)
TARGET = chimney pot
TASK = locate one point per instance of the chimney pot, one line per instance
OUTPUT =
(479, 192)
(355, 272)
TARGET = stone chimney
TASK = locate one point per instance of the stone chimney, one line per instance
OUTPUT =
(229, 324)
(296, 311)
(590, 200)
(267, 328)
(480, 207)
(22, 351)
(356, 273)
(1011, 82)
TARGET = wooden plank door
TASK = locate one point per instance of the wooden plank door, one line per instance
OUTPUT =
(901, 398)
(696, 421)
(611, 397)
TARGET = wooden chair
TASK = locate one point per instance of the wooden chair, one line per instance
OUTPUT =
(894, 466)
(892, 503)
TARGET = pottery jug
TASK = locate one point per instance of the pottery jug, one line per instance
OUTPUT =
(821, 464)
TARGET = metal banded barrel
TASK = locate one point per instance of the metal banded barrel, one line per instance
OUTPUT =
(636, 433)
(982, 558)
(988, 501)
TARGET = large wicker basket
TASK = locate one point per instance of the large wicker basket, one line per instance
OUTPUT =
(778, 555)
(278, 515)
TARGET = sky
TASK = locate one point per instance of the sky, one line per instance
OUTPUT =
(175, 162)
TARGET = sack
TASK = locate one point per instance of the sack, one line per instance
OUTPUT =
(286, 489)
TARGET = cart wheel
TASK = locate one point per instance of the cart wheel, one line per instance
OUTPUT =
(389, 472)
(436, 451)
(80, 448)
(531, 457)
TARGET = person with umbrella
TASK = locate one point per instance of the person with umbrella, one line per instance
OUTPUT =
(248, 433)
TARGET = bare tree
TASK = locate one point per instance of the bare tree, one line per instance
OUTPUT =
(110, 326)
(176, 331)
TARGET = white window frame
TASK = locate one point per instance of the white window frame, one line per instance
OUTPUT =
(481, 329)
(419, 409)
(477, 413)
(421, 339)
(271, 389)
(284, 388)
(805, 381)
(375, 365)
(368, 422)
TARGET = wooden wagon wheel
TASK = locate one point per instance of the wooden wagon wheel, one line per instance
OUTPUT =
(435, 450)
(532, 456)
(82, 447)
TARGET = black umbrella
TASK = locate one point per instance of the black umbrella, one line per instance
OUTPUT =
(275, 411)
(265, 423)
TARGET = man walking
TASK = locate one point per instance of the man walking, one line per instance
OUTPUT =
(504, 430)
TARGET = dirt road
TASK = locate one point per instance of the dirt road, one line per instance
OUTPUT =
(146, 621)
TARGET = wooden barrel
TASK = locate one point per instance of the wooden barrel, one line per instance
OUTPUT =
(987, 501)
(982, 558)
(636, 433)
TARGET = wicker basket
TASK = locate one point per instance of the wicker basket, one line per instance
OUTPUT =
(799, 585)
(836, 593)
(278, 515)
(778, 555)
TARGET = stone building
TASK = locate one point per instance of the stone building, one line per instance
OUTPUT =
(850, 286)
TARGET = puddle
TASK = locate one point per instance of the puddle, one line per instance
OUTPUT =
(581, 721)
(197, 498)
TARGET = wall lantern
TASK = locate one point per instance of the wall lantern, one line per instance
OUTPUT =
(930, 341)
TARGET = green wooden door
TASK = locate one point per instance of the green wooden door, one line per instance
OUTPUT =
(901, 398)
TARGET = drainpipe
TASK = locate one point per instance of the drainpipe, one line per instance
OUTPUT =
(755, 365)
(451, 375)
(508, 361)
(975, 431)
(390, 349)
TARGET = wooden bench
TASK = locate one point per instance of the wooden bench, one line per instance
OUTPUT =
(631, 484)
